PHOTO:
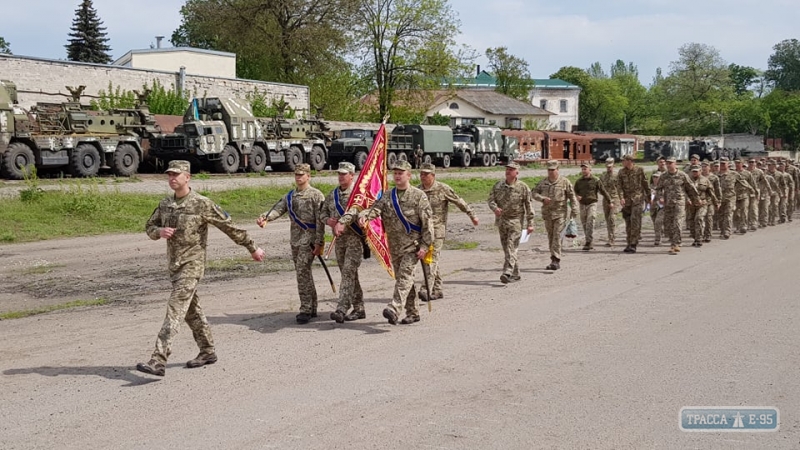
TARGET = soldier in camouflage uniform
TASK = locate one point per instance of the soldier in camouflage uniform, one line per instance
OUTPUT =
(634, 188)
(655, 206)
(587, 189)
(510, 201)
(786, 201)
(307, 235)
(406, 215)
(697, 213)
(611, 184)
(762, 201)
(672, 189)
(728, 182)
(711, 213)
(744, 197)
(792, 199)
(349, 248)
(183, 220)
(555, 192)
(718, 214)
(440, 196)
(775, 181)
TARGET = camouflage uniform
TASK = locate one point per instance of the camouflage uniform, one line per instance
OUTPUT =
(349, 250)
(792, 198)
(728, 183)
(785, 208)
(403, 243)
(589, 189)
(745, 193)
(554, 213)
(697, 215)
(656, 214)
(186, 255)
(515, 201)
(762, 201)
(775, 197)
(711, 213)
(634, 188)
(441, 196)
(306, 230)
(674, 188)
(610, 182)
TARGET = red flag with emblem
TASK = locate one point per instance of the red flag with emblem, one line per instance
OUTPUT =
(370, 184)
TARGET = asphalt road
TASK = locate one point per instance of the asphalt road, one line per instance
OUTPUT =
(599, 355)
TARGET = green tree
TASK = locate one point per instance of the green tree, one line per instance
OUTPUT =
(784, 111)
(407, 44)
(748, 115)
(596, 71)
(511, 72)
(602, 104)
(743, 78)
(783, 67)
(626, 76)
(5, 47)
(88, 39)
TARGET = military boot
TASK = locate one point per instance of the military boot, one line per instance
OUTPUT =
(505, 278)
(409, 320)
(355, 315)
(390, 315)
(303, 318)
(201, 360)
(337, 316)
(152, 367)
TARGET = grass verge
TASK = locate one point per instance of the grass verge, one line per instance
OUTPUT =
(51, 308)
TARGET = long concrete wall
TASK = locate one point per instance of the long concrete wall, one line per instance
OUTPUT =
(44, 80)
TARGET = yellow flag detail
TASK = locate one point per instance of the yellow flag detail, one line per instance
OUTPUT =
(429, 255)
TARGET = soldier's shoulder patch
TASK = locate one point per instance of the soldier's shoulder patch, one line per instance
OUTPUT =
(220, 212)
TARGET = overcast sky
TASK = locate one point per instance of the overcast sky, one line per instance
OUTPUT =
(547, 34)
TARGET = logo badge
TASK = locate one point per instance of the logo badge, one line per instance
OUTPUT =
(729, 418)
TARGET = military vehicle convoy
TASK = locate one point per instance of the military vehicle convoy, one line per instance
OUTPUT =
(223, 136)
(477, 145)
(435, 141)
(53, 135)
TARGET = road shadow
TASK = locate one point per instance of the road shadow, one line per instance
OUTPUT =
(493, 284)
(274, 322)
(122, 373)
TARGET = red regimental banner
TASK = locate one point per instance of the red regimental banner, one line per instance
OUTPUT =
(370, 184)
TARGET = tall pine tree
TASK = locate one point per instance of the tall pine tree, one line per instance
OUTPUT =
(88, 39)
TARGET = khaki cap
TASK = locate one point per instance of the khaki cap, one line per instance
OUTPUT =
(178, 166)
(402, 165)
(302, 168)
(628, 157)
(609, 161)
(552, 164)
(427, 168)
(512, 165)
(346, 167)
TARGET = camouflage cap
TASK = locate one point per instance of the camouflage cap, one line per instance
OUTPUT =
(770, 162)
(346, 167)
(609, 161)
(738, 160)
(715, 163)
(628, 157)
(552, 164)
(427, 168)
(302, 169)
(178, 166)
(724, 159)
(672, 159)
(695, 168)
(695, 157)
(661, 158)
(704, 164)
(512, 165)
(586, 164)
(402, 165)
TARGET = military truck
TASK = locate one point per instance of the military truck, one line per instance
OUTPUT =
(656, 149)
(221, 134)
(353, 145)
(705, 149)
(435, 141)
(53, 135)
(477, 145)
(510, 149)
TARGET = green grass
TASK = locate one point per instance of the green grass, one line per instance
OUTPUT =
(40, 269)
(457, 245)
(51, 308)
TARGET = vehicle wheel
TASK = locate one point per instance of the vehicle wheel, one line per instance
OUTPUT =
(446, 161)
(402, 157)
(466, 159)
(293, 157)
(317, 158)
(126, 160)
(360, 160)
(84, 161)
(228, 162)
(258, 159)
(426, 159)
(18, 161)
(391, 160)
(494, 159)
(486, 160)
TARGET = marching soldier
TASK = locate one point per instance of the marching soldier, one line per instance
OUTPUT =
(655, 205)
(555, 192)
(610, 182)
(730, 184)
(792, 199)
(711, 213)
(760, 205)
(183, 219)
(587, 189)
(510, 201)
(440, 196)
(307, 235)
(786, 201)
(349, 248)
(634, 188)
(406, 215)
(715, 165)
(698, 213)
(672, 189)
(744, 196)
(775, 181)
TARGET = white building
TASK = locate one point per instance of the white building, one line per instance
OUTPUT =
(487, 106)
(197, 61)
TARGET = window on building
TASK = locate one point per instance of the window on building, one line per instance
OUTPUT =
(562, 126)
(543, 104)
(563, 106)
(514, 123)
(454, 105)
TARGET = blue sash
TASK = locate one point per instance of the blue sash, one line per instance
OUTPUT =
(295, 219)
(341, 211)
(406, 224)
